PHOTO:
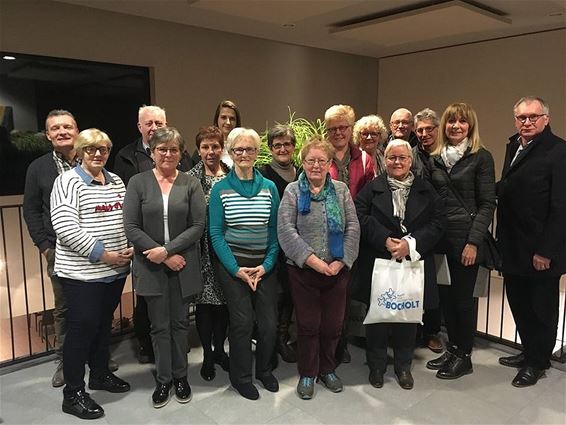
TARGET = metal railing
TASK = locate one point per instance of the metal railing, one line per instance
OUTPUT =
(26, 302)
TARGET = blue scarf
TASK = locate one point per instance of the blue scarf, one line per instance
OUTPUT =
(334, 220)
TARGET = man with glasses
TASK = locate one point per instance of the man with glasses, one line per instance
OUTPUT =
(401, 125)
(531, 232)
(131, 160)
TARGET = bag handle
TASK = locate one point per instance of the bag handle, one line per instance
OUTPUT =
(457, 194)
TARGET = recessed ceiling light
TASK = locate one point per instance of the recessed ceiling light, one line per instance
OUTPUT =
(9, 58)
(288, 26)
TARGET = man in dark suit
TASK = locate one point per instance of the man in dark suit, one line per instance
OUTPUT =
(531, 231)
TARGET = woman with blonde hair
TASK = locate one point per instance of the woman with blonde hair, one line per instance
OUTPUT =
(462, 172)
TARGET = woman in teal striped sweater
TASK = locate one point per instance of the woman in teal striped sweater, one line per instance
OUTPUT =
(243, 231)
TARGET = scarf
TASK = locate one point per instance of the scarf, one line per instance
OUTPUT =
(452, 154)
(287, 172)
(400, 193)
(250, 188)
(334, 221)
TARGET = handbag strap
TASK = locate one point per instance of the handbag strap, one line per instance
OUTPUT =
(456, 193)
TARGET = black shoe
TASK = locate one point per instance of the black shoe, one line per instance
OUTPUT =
(82, 406)
(269, 382)
(459, 365)
(527, 377)
(207, 370)
(405, 378)
(517, 361)
(286, 351)
(161, 395)
(222, 360)
(108, 382)
(145, 354)
(439, 362)
(247, 390)
(376, 378)
(183, 392)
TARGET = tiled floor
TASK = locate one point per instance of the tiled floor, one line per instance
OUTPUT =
(485, 397)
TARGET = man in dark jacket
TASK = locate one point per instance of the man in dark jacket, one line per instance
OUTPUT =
(531, 231)
(131, 160)
(61, 130)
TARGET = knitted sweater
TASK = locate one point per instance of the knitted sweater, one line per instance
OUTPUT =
(243, 221)
(87, 219)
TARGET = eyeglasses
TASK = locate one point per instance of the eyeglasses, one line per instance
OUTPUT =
(312, 161)
(241, 151)
(401, 158)
(369, 134)
(400, 122)
(422, 130)
(91, 150)
(164, 151)
(532, 118)
(286, 145)
(339, 128)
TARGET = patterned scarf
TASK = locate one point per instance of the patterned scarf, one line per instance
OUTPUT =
(400, 193)
(452, 154)
(334, 220)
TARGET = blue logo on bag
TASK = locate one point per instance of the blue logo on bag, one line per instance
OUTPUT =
(395, 301)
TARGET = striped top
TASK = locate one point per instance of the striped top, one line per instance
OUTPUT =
(243, 221)
(87, 219)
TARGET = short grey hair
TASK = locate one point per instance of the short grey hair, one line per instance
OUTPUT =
(280, 130)
(151, 108)
(58, 113)
(426, 114)
(166, 135)
(529, 99)
(397, 143)
(238, 132)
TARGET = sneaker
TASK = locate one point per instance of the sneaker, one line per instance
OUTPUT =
(331, 381)
(161, 395)
(183, 392)
(108, 382)
(305, 387)
(82, 406)
(58, 379)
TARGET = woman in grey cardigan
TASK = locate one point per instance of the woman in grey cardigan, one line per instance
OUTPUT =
(164, 218)
(319, 232)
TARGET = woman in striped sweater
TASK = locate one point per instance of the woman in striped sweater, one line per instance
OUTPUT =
(92, 259)
(243, 232)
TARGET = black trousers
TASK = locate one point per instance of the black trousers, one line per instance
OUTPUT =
(284, 302)
(458, 305)
(534, 304)
(89, 316)
(245, 308)
(403, 341)
(142, 324)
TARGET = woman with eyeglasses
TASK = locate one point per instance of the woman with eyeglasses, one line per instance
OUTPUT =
(462, 172)
(401, 216)
(92, 260)
(243, 232)
(370, 135)
(164, 216)
(282, 171)
(319, 232)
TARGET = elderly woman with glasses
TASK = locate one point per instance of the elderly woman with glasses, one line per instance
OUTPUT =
(401, 216)
(370, 134)
(282, 171)
(243, 231)
(92, 259)
(463, 174)
(164, 216)
(319, 232)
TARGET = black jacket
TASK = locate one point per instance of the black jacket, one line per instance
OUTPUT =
(531, 213)
(133, 159)
(474, 179)
(424, 220)
(40, 176)
(421, 164)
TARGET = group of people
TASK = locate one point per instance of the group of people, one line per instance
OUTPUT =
(251, 246)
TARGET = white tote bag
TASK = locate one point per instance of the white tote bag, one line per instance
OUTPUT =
(397, 290)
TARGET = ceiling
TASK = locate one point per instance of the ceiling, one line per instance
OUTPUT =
(375, 28)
